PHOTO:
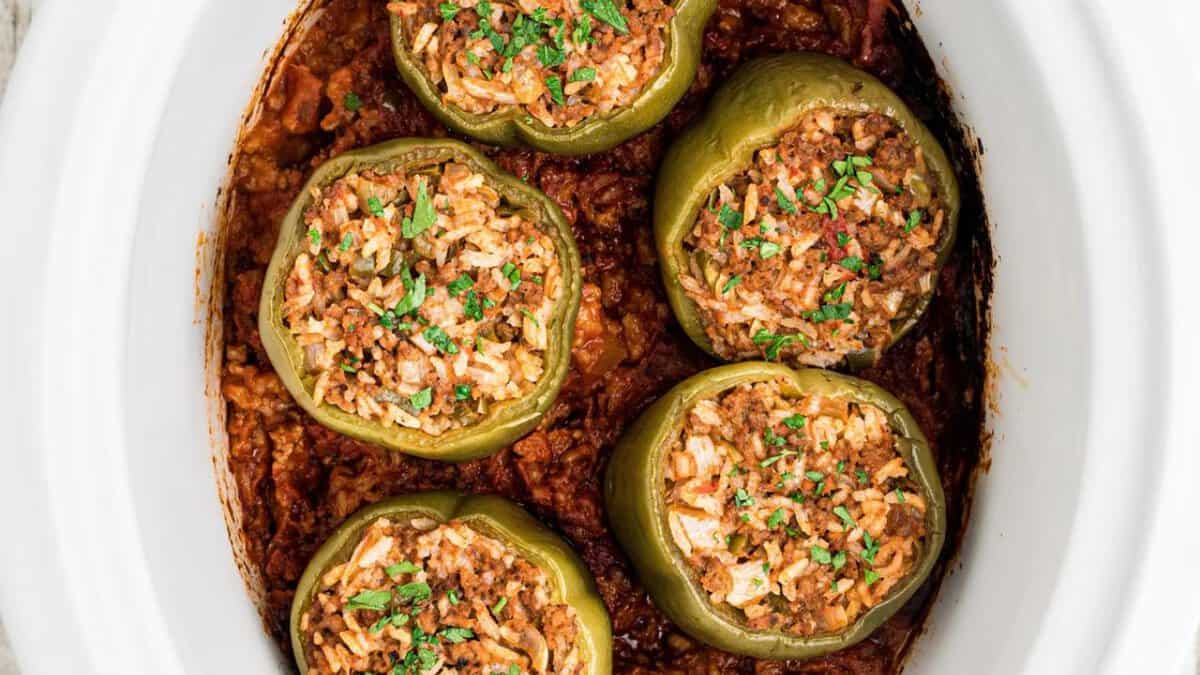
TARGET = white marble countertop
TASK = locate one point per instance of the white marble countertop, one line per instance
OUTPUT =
(14, 17)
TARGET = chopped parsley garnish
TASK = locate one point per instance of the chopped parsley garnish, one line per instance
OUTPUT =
(841, 466)
(582, 33)
(415, 296)
(452, 596)
(899, 496)
(421, 399)
(776, 342)
(448, 10)
(871, 547)
(824, 445)
(529, 315)
(836, 294)
(777, 518)
(814, 475)
(373, 600)
(402, 567)
(742, 498)
(375, 206)
(852, 263)
(606, 11)
(771, 439)
(554, 84)
(462, 283)
(315, 235)
(729, 285)
(785, 203)
(394, 619)
(795, 421)
(550, 56)
(875, 269)
(462, 392)
(914, 219)
(349, 369)
(820, 555)
(423, 216)
(511, 273)
(862, 476)
(499, 606)
(775, 458)
(472, 308)
(729, 218)
(839, 560)
(414, 592)
(437, 337)
(766, 249)
(347, 242)
(828, 313)
(457, 635)
(847, 521)
(585, 74)
(843, 239)
(871, 576)
(352, 102)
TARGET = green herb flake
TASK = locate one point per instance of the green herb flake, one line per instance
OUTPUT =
(775, 458)
(585, 74)
(529, 315)
(814, 475)
(742, 498)
(785, 203)
(914, 219)
(828, 313)
(820, 555)
(550, 57)
(452, 596)
(348, 369)
(315, 236)
(871, 576)
(582, 33)
(499, 606)
(513, 274)
(437, 337)
(462, 392)
(462, 283)
(862, 476)
(456, 635)
(421, 399)
(423, 216)
(402, 567)
(414, 298)
(836, 294)
(351, 102)
(729, 218)
(347, 242)
(554, 85)
(729, 285)
(839, 560)
(847, 521)
(852, 263)
(777, 518)
(375, 206)
(471, 308)
(415, 592)
(606, 11)
(448, 10)
(795, 421)
(372, 600)
(843, 239)
(899, 496)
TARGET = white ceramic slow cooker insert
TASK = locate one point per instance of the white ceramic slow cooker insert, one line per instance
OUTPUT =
(1082, 547)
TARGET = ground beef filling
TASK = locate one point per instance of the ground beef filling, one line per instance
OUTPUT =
(812, 252)
(421, 299)
(421, 597)
(797, 513)
(559, 62)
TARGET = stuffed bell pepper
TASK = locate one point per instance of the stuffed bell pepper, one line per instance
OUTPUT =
(777, 513)
(562, 77)
(422, 299)
(805, 217)
(442, 582)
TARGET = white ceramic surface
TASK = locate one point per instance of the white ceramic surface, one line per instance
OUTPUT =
(112, 145)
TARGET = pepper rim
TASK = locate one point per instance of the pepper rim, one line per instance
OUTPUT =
(507, 421)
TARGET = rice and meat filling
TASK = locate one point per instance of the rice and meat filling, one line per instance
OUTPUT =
(560, 61)
(796, 513)
(421, 299)
(811, 253)
(423, 597)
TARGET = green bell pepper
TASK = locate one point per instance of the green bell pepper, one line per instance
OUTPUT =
(636, 507)
(490, 515)
(506, 421)
(512, 126)
(763, 99)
